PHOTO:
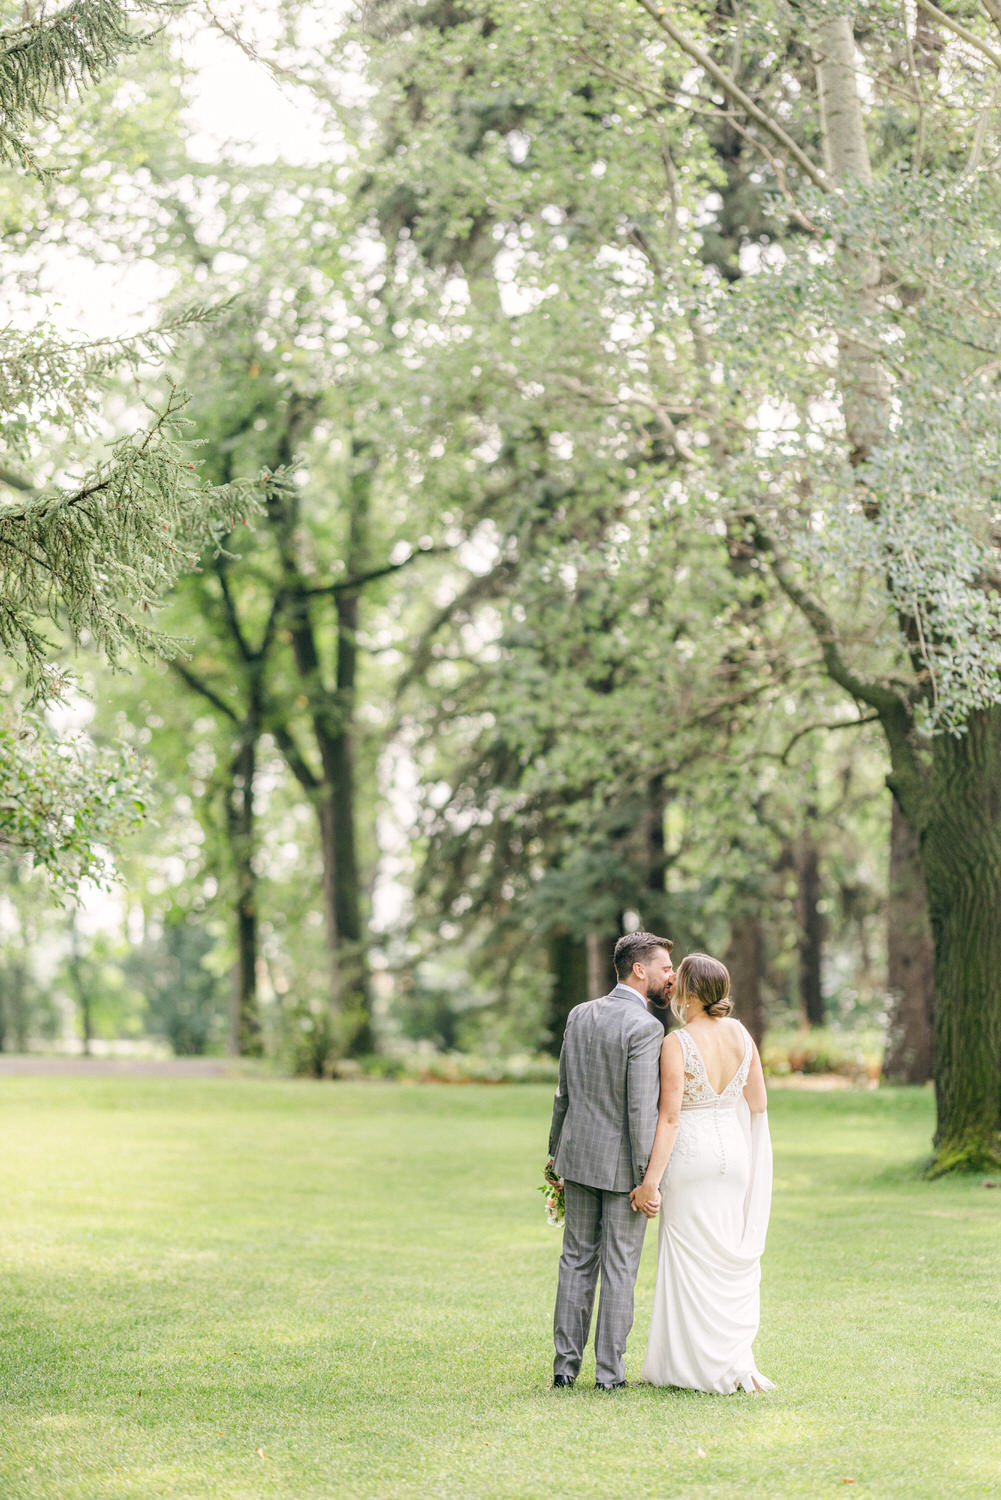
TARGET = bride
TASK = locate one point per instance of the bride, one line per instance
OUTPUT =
(712, 1138)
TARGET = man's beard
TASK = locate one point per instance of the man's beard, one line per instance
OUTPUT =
(660, 997)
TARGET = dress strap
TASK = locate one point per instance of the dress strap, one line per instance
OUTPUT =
(745, 1062)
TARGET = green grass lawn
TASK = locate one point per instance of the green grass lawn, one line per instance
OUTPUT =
(238, 1288)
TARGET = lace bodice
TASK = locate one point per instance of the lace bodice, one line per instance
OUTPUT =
(699, 1092)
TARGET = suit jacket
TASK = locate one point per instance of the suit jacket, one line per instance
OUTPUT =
(605, 1111)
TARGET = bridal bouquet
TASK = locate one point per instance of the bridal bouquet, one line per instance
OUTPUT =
(553, 1188)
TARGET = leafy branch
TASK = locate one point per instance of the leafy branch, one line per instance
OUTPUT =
(124, 534)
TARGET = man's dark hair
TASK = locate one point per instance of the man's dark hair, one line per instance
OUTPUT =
(636, 948)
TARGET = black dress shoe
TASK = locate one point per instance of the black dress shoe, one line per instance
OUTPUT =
(563, 1382)
(615, 1385)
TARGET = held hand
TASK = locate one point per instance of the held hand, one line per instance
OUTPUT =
(645, 1199)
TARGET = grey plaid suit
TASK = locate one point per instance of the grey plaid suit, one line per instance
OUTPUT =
(604, 1119)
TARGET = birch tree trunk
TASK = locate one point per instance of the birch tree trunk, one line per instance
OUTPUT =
(864, 386)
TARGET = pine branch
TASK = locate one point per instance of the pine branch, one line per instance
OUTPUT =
(100, 557)
(50, 57)
(68, 377)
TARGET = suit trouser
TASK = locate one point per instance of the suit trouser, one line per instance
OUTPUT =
(600, 1232)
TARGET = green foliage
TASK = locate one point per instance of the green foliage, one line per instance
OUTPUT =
(185, 997)
(28, 1008)
(903, 558)
(65, 802)
(97, 979)
(825, 1050)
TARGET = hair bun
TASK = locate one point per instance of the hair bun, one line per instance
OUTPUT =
(706, 980)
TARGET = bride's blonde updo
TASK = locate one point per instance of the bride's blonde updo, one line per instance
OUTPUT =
(704, 980)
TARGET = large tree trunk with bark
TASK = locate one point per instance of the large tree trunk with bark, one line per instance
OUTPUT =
(910, 961)
(961, 856)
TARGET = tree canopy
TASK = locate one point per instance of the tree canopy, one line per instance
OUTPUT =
(624, 384)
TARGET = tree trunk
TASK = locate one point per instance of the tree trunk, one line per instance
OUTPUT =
(354, 958)
(961, 857)
(656, 854)
(347, 959)
(245, 1019)
(910, 961)
(332, 717)
(746, 962)
(811, 939)
(864, 385)
(570, 975)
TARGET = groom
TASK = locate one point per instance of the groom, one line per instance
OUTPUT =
(604, 1118)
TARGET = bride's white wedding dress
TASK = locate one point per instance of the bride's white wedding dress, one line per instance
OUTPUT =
(713, 1220)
